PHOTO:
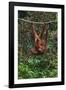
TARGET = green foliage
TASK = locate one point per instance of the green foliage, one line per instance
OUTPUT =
(37, 66)
(22, 14)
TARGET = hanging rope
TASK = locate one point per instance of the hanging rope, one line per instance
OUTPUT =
(28, 21)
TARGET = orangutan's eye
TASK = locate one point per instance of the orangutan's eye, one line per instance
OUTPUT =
(41, 44)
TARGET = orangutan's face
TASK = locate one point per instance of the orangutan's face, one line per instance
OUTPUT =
(40, 46)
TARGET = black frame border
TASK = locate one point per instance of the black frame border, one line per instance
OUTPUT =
(11, 44)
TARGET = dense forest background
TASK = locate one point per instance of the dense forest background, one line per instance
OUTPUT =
(38, 66)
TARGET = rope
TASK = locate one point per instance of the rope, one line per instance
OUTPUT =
(28, 21)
